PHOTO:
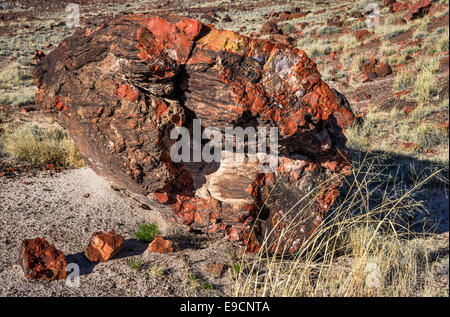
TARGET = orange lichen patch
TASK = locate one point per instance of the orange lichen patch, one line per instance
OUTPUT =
(127, 92)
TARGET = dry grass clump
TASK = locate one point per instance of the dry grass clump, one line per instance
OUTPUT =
(427, 135)
(14, 74)
(389, 31)
(41, 145)
(364, 247)
(328, 30)
(404, 79)
(426, 86)
(316, 49)
(388, 49)
(437, 41)
(357, 62)
(384, 130)
(19, 97)
(16, 85)
(348, 41)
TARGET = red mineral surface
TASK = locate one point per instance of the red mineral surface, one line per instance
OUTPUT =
(103, 246)
(41, 260)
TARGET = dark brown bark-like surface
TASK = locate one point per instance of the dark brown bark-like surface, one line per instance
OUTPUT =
(122, 88)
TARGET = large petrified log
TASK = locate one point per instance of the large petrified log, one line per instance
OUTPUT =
(121, 89)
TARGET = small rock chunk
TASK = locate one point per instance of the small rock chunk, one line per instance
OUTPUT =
(103, 246)
(160, 245)
(215, 269)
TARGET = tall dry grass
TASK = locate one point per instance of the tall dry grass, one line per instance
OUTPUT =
(40, 145)
(364, 248)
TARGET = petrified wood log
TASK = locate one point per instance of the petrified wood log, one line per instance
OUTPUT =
(41, 260)
(121, 89)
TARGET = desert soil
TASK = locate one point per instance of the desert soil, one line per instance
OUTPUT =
(53, 205)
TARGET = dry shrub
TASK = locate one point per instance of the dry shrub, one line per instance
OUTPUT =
(364, 248)
(41, 145)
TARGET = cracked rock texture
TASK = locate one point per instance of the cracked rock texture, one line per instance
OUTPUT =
(103, 246)
(120, 89)
(41, 260)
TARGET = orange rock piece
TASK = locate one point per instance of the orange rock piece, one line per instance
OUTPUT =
(103, 246)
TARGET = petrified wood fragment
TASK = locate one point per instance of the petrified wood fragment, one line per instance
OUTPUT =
(103, 246)
(41, 260)
(160, 245)
(122, 88)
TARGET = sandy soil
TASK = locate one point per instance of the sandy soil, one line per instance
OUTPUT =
(54, 207)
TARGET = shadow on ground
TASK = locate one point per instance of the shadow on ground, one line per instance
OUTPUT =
(382, 175)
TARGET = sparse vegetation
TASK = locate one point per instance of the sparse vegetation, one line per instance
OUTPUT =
(147, 233)
(134, 264)
(14, 74)
(385, 258)
(41, 145)
(357, 62)
(403, 79)
(426, 86)
(427, 135)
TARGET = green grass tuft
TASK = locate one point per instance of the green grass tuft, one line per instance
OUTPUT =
(147, 233)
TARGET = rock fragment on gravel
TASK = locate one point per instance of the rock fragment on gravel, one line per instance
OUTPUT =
(160, 245)
(374, 69)
(41, 260)
(103, 246)
(215, 269)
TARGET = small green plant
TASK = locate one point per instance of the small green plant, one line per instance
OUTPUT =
(193, 280)
(207, 286)
(147, 233)
(236, 268)
(134, 264)
(289, 28)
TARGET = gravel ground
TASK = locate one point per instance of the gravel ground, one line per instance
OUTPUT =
(52, 205)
